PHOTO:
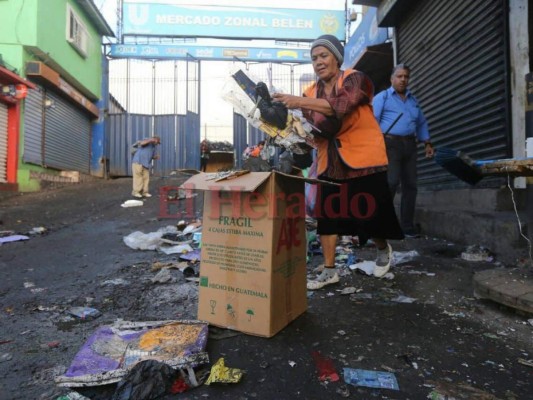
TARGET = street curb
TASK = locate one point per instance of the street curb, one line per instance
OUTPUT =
(509, 287)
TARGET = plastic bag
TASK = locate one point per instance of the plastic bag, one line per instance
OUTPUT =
(273, 112)
(147, 380)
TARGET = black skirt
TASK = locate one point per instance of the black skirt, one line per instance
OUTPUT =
(361, 206)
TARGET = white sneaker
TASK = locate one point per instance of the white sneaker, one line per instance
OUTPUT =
(137, 196)
(383, 261)
(318, 269)
(322, 280)
(147, 195)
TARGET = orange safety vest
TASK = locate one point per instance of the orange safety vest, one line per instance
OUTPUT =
(359, 142)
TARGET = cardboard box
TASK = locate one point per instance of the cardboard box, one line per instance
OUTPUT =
(254, 248)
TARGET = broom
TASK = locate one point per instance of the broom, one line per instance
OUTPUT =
(459, 164)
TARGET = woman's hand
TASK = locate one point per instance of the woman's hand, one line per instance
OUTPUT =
(288, 100)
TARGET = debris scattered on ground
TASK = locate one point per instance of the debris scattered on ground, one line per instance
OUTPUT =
(180, 194)
(147, 380)
(143, 241)
(84, 312)
(178, 249)
(37, 230)
(343, 391)
(528, 363)
(374, 379)
(401, 257)
(348, 290)
(110, 352)
(168, 240)
(163, 276)
(72, 396)
(132, 203)
(476, 253)
(115, 282)
(403, 299)
(414, 272)
(12, 238)
(325, 367)
(222, 374)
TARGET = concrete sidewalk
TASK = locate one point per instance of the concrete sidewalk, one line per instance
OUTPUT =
(511, 287)
(487, 218)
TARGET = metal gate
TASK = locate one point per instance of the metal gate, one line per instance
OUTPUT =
(3, 143)
(139, 89)
(123, 131)
(57, 135)
(456, 50)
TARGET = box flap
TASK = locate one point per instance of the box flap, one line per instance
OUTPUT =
(246, 183)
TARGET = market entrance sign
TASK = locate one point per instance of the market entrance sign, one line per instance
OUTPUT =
(154, 19)
(214, 53)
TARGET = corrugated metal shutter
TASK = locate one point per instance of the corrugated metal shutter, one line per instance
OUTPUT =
(67, 137)
(33, 127)
(456, 50)
(3, 143)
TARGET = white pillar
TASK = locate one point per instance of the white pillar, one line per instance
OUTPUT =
(519, 63)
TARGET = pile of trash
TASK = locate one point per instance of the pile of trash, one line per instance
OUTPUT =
(251, 99)
(220, 146)
(146, 360)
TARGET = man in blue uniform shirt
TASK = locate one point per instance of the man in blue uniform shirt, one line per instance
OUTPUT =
(403, 123)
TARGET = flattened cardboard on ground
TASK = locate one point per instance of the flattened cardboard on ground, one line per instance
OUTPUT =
(254, 248)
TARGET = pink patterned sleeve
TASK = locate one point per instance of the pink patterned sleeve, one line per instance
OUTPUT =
(357, 90)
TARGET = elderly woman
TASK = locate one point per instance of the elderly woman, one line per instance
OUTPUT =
(351, 153)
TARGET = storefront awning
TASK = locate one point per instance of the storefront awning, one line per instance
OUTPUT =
(10, 78)
(47, 76)
(368, 50)
(377, 62)
(12, 86)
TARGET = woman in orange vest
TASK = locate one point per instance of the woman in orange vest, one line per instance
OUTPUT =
(351, 153)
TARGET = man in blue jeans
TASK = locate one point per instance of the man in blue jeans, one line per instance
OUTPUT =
(403, 123)
(141, 164)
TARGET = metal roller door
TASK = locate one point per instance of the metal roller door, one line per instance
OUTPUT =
(456, 50)
(3, 143)
(67, 138)
(33, 127)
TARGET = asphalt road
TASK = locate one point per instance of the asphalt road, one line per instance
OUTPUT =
(445, 342)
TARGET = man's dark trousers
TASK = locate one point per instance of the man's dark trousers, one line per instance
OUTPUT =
(402, 155)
